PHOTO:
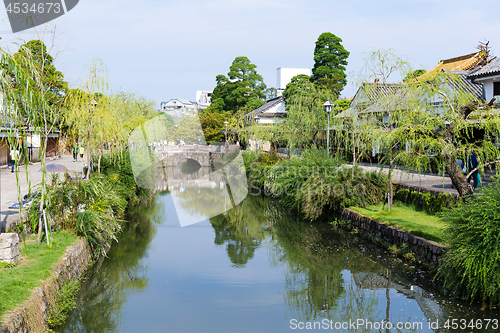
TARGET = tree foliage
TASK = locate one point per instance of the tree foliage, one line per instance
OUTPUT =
(381, 64)
(414, 74)
(306, 116)
(243, 87)
(472, 266)
(33, 96)
(330, 59)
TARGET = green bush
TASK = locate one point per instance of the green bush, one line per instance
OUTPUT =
(287, 177)
(348, 186)
(257, 167)
(472, 266)
(92, 209)
(65, 302)
(431, 204)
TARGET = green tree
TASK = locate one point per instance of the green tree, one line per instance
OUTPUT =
(34, 58)
(330, 59)
(381, 64)
(243, 87)
(90, 113)
(306, 116)
(33, 94)
(414, 74)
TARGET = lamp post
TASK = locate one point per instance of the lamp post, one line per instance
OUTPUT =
(225, 123)
(328, 109)
(257, 119)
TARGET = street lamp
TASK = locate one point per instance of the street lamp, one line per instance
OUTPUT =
(328, 109)
(225, 123)
(257, 119)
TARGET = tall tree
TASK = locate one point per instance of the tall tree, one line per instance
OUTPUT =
(90, 110)
(34, 58)
(306, 116)
(330, 59)
(34, 93)
(243, 87)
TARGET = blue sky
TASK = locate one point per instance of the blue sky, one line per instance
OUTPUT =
(170, 49)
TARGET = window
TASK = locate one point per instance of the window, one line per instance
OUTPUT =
(496, 88)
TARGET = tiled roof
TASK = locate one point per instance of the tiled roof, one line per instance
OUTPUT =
(266, 106)
(465, 84)
(370, 93)
(492, 68)
(462, 63)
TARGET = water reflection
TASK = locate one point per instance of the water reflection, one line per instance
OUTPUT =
(106, 287)
(242, 230)
(255, 268)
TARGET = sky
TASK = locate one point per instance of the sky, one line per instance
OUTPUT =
(170, 49)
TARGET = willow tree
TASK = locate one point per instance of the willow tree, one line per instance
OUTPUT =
(34, 95)
(89, 112)
(429, 124)
(306, 117)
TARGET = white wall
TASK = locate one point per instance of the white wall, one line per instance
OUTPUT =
(285, 75)
(488, 86)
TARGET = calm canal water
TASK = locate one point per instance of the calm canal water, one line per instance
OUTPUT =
(257, 268)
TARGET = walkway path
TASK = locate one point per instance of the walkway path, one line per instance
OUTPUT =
(428, 181)
(8, 187)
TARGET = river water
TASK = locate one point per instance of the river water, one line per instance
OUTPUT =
(258, 268)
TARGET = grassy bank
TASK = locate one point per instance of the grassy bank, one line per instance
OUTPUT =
(407, 218)
(17, 283)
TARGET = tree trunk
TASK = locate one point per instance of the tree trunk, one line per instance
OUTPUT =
(391, 190)
(42, 189)
(99, 163)
(457, 177)
(88, 157)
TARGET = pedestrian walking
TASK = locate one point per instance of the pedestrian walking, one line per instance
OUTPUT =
(14, 155)
(81, 151)
(75, 153)
(473, 164)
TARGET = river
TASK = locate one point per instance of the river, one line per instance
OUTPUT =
(258, 268)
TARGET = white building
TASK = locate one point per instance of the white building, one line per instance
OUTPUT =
(489, 76)
(179, 107)
(285, 75)
(203, 98)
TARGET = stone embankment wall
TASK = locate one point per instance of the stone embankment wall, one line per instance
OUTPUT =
(9, 248)
(425, 250)
(32, 315)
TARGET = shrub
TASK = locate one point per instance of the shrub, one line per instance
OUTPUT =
(65, 302)
(287, 177)
(432, 204)
(472, 266)
(343, 188)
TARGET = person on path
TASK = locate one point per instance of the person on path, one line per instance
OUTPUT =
(14, 155)
(473, 163)
(81, 151)
(75, 153)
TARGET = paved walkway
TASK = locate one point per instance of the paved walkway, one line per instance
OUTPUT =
(425, 180)
(8, 187)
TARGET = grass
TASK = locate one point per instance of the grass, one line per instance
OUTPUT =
(407, 218)
(17, 283)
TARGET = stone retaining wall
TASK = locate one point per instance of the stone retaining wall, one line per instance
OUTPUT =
(32, 315)
(425, 250)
